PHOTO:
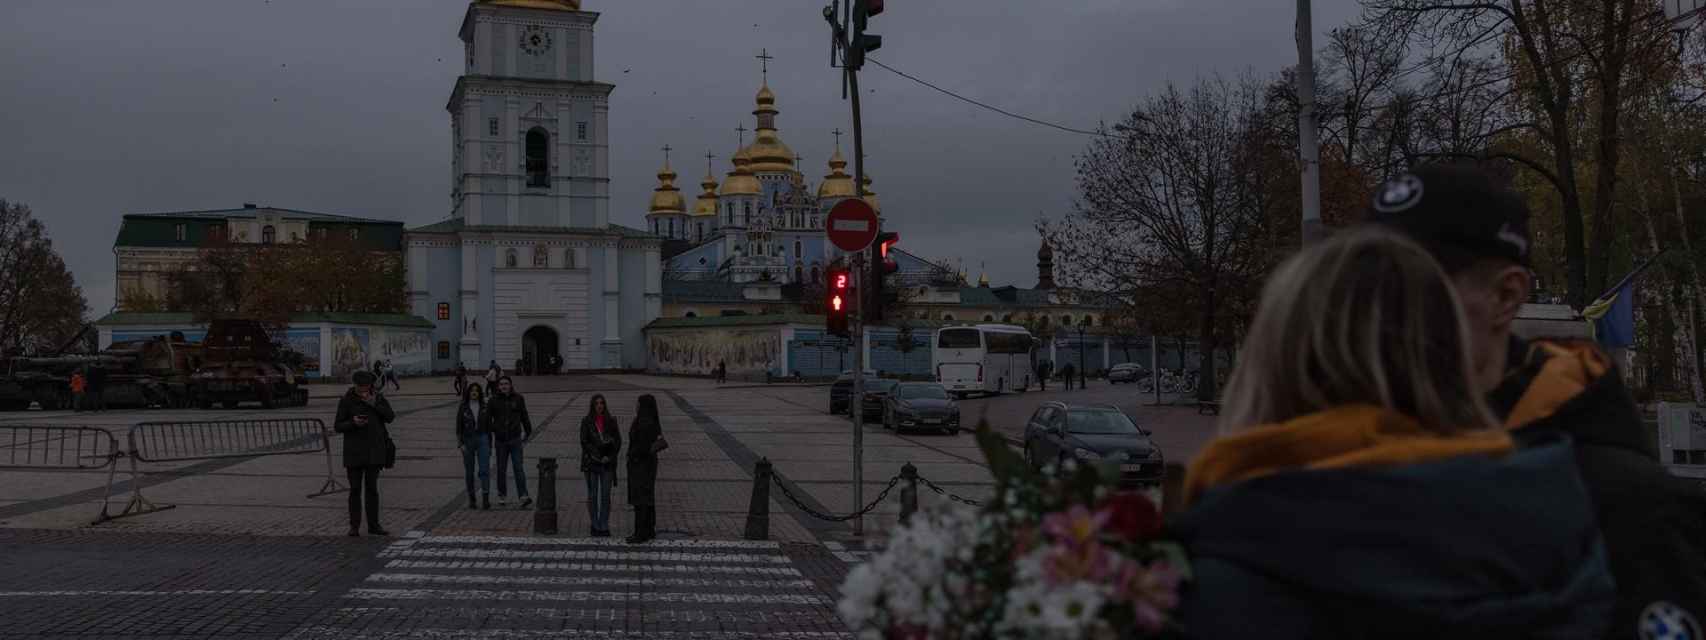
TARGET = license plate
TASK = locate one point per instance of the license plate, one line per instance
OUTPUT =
(1131, 467)
(932, 421)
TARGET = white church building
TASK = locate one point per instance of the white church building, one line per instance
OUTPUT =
(528, 265)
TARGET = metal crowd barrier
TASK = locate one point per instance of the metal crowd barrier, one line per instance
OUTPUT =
(52, 447)
(215, 440)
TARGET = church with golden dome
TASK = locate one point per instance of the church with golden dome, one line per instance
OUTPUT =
(763, 222)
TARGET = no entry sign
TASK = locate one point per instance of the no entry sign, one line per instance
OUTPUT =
(852, 225)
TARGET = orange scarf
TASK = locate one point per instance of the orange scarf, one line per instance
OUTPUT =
(1355, 436)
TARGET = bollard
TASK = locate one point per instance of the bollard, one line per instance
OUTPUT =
(545, 511)
(758, 512)
(908, 492)
(1172, 488)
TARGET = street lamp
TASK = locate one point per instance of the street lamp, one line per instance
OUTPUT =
(1082, 375)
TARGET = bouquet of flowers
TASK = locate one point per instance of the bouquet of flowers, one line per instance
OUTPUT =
(1056, 553)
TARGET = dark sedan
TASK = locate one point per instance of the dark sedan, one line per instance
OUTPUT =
(875, 392)
(1126, 372)
(841, 391)
(1059, 432)
(921, 405)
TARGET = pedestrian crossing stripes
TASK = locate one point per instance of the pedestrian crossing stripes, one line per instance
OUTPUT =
(461, 586)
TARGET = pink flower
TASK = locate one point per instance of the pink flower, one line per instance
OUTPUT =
(1075, 526)
(1152, 591)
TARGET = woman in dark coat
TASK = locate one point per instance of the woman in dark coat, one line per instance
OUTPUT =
(362, 416)
(601, 440)
(645, 440)
(474, 438)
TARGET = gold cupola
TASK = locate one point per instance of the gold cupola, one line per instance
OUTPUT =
(767, 151)
(706, 203)
(983, 280)
(837, 184)
(666, 198)
(871, 196)
(550, 5)
(740, 181)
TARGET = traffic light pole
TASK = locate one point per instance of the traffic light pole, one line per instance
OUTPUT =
(858, 406)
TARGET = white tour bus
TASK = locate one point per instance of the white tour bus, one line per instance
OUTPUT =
(984, 358)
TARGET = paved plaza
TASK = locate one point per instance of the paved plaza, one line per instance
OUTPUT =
(245, 552)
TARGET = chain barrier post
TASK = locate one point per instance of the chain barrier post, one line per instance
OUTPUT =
(758, 511)
(908, 492)
(545, 514)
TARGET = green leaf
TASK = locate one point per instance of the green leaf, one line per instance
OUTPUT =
(1173, 553)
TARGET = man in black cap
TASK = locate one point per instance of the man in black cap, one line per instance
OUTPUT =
(1654, 523)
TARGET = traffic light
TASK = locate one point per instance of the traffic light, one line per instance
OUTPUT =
(862, 43)
(882, 264)
(838, 300)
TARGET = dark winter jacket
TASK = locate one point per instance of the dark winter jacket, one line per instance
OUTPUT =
(598, 453)
(643, 462)
(364, 445)
(468, 424)
(509, 420)
(1654, 523)
(1472, 546)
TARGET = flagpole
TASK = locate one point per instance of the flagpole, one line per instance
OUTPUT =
(1632, 275)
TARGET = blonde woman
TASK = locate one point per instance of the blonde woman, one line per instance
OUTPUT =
(1361, 488)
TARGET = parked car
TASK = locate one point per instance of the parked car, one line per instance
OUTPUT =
(1093, 434)
(875, 392)
(921, 405)
(842, 389)
(1127, 372)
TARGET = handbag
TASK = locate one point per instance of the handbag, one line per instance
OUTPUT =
(390, 452)
(659, 445)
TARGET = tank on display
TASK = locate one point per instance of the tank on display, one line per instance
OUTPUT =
(239, 362)
(135, 374)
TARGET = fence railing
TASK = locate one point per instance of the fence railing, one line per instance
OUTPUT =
(50, 447)
(212, 440)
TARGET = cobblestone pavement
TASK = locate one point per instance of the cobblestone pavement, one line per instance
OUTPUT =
(247, 553)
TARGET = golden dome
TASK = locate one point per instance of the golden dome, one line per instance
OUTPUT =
(983, 280)
(666, 198)
(837, 184)
(740, 181)
(706, 204)
(871, 196)
(552, 5)
(768, 152)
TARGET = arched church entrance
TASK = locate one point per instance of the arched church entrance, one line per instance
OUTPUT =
(538, 346)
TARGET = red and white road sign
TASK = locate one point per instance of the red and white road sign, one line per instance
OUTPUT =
(852, 225)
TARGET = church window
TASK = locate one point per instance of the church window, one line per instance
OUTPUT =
(799, 273)
(796, 249)
(672, 227)
(216, 232)
(295, 237)
(538, 157)
(443, 311)
(443, 349)
(509, 258)
(731, 214)
(746, 214)
(1089, 321)
(988, 318)
(321, 232)
(268, 234)
(491, 126)
(541, 257)
(355, 234)
(947, 317)
(816, 275)
(580, 130)
(814, 222)
(1066, 321)
(701, 232)
(182, 231)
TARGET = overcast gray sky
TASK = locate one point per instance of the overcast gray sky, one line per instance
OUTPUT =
(122, 106)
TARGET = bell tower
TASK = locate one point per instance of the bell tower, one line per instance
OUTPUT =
(528, 121)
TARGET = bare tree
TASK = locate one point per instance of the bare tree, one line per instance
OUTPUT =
(1172, 199)
(41, 306)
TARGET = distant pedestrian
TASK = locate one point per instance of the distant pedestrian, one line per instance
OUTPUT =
(601, 440)
(645, 440)
(1066, 372)
(722, 372)
(493, 372)
(511, 429)
(79, 384)
(389, 375)
(362, 416)
(97, 387)
(461, 382)
(474, 438)
(1043, 373)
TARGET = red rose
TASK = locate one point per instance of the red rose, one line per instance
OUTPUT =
(908, 632)
(1131, 516)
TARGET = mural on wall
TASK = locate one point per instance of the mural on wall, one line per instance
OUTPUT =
(307, 343)
(409, 350)
(349, 352)
(698, 352)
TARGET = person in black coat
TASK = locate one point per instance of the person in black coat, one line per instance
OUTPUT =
(645, 440)
(474, 438)
(601, 441)
(511, 428)
(362, 416)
